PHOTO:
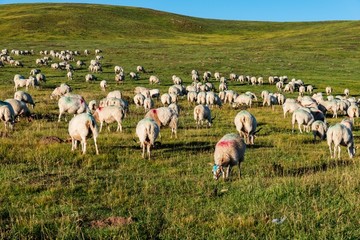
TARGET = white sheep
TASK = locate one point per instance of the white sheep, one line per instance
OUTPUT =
(120, 77)
(154, 80)
(148, 104)
(339, 134)
(290, 106)
(60, 91)
(201, 98)
(140, 69)
(192, 96)
(89, 77)
(143, 90)
(165, 99)
(147, 131)
(19, 108)
(114, 94)
(303, 117)
(353, 111)
(24, 97)
(319, 128)
(139, 100)
(202, 113)
(72, 105)
(165, 116)
(69, 75)
(109, 114)
(103, 85)
(246, 124)
(243, 99)
(7, 115)
(154, 93)
(229, 151)
(328, 90)
(80, 127)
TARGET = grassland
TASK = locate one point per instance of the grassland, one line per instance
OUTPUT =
(49, 192)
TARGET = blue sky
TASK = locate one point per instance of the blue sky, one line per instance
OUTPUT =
(255, 10)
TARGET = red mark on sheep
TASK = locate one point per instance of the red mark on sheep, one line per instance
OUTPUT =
(225, 143)
(154, 111)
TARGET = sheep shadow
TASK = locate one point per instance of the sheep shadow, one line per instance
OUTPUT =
(278, 170)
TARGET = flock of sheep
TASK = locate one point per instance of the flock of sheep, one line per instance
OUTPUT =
(307, 111)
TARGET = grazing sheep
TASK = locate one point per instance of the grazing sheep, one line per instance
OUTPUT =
(310, 89)
(290, 106)
(192, 97)
(246, 125)
(302, 117)
(328, 90)
(109, 114)
(144, 91)
(352, 112)
(103, 85)
(319, 128)
(140, 69)
(89, 77)
(175, 108)
(147, 131)
(82, 126)
(148, 104)
(339, 134)
(134, 76)
(120, 77)
(72, 105)
(24, 97)
(139, 100)
(229, 151)
(19, 108)
(40, 77)
(201, 98)
(60, 91)
(202, 113)
(165, 99)
(165, 116)
(69, 75)
(114, 94)
(154, 93)
(154, 80)
(243, 99)
(118, 69)
(7, 115)
(346, 92)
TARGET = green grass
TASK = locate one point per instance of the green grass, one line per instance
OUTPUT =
(50, 192)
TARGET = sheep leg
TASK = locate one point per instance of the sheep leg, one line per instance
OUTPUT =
(73, 144)
(299, 124)
(148, 150)
(143, 150)
(83, 144)
(96, 147)
(101, 125)
(331, 153)
(339, 150)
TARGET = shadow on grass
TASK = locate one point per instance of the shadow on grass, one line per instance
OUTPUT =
(279, 170)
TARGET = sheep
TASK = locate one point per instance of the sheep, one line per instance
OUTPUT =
(140, 69)
(302, 90)
(339, 134)
(147, 131)
(103, 85)
(230, 96)
(246, 124)
(319, 128)
(89, 77)
(279, 86)
(118, 69)
(154, 93)
(270, 100)
(328, 90)
(346, 92)
(148, 104)
(114, 94)
(40, 77)
(202, 113)
(80, 127)
(72, 105)
(139, 100)
(134, 76)
(217, 76)
(120, 77)
(24, 97)
(192, 96)
(60, 91)
(243, 99)
(144, 91)
(175, 108)
(109, 114)
(19, 108)
(69, 75)
(310, 89)
(352, 112)
(302, 117)
(290, 106)
(154, 80)
(165, 116)
(229, 151)
(92, 105)
(165, 99)
(7, 115)
(347, 123)
(201, 98)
